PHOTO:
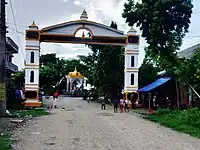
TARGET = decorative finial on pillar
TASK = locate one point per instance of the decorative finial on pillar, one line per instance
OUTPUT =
(75, 69)
(84, 15)
(33, 26)
(83, 35)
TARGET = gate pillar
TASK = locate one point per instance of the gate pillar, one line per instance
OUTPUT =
(32, 49)
(131, 62)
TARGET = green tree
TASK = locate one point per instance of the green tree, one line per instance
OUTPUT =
(53, 69)
(106, 66)
(17, 80)
(163, 25)
(47, 76)
(194, 71)
(147, 72)
(48, 59)
(89, 63)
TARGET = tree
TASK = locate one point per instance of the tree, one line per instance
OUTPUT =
(47, 76)
(194, 71)
(163, 25)
(106, 66)
(147, 72)
(89, 62)
(48, 59)
(17, 80)
(52, 70)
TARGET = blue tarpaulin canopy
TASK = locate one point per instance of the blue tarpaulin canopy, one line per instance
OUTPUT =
(154, 85)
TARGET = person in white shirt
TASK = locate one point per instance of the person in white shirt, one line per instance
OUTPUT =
(126, 105)
(129, 104)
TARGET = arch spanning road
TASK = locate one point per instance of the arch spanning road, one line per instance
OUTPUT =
(83, 126)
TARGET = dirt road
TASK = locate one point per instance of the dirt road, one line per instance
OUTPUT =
(83, 126)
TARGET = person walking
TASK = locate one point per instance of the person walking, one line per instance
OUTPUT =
(115, 104)
(55, 97)
(129, 104)
(121, 105)
(103, 104)
(126, 105)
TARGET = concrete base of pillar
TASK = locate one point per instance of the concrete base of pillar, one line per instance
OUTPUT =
(137, 105)
(126, 94)
(32, 103)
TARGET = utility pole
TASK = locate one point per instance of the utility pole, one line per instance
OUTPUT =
(2, 58)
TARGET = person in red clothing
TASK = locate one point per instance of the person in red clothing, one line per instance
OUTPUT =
(55, 97)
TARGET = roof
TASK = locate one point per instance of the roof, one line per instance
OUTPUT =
(82, 22)
(154, 85)
(188, 52)
(75, 74)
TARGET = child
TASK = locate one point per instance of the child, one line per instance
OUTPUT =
(55, 97)
(121, 105)
(103, 104)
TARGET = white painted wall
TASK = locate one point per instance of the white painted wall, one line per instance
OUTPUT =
(32, 46)
(28, 73)
(128, 79)
(34, 43)
(36, 57)
(128, 60)
(134, 47)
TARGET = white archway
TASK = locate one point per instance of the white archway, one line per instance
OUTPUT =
(66, 33)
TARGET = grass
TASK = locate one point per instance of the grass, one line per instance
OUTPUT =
(5, 143)
(26, 113)
(186, 121)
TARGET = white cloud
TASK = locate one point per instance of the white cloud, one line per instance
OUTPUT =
(77, 3)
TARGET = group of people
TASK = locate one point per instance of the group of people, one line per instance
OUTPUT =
(124, 105)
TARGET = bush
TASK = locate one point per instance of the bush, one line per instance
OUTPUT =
(160, 112)
(25, 113)
(194, 117)
(5, 143)
(187, 121)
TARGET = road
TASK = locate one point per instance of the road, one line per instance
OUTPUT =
(83, 126)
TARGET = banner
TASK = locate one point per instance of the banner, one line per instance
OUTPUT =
(2, 92)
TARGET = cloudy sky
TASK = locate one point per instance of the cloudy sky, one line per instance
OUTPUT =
(50, 12)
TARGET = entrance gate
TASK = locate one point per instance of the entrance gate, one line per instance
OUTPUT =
(65, 33)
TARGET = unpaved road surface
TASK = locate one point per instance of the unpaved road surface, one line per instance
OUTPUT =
(83, 126)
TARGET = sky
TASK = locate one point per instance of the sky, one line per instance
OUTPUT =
(51, 12)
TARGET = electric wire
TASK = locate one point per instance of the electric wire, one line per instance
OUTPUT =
(12, 11)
